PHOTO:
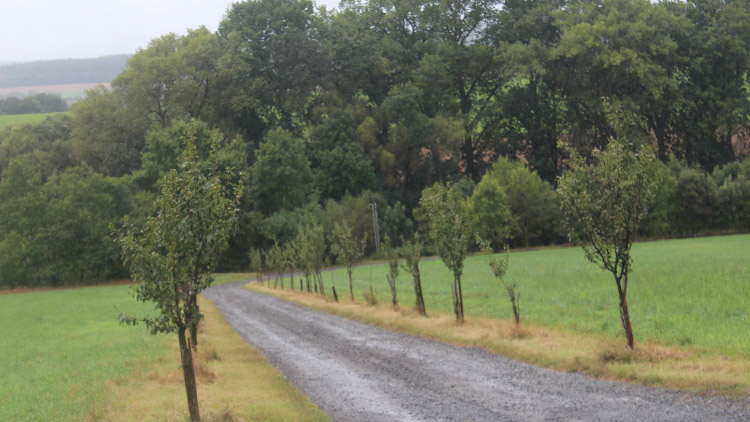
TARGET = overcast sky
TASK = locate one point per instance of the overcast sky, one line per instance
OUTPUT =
(52, 29)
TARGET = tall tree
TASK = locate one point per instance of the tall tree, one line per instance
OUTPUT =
(172, 256)
(275, 53)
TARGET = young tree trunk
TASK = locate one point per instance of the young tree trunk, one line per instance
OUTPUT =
(291, 278)
(335, 296)
(514, 303)
(460, 302)
(392, 285)
(320, 282)
(351, 286)
(625, 315)
(418, 290)
(194, 327)
(189, 374)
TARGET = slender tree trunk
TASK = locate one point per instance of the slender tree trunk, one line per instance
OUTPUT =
(625, 315)
(291, 278)
(335, 296)
(392, 285)
(194, 327)
(351, 286)
(189, 374)
(514, 303)
(460, 314)
(320, 282)
(418, 292)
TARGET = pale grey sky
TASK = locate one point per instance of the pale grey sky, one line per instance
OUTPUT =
(52, 29)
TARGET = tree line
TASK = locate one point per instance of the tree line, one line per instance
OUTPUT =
(62, 71)
(37, 103)
(321, 113)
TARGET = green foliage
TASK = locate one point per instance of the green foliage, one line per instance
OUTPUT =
(164, 147)
(107, 136)
(33, 104)
(391, 255)
(311, 249)
(499, 267)
(534, 213)
(695, 202)
(412, 253)
(340, 165)
(604, 203)
(281, 174)
(56, 232)
(490, 212)
(172, 256)
(173, 78)
(449, 232)
(347, 249)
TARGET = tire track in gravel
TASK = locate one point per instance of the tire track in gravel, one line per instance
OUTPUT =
(357, 372)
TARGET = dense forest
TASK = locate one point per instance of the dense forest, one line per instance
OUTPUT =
(63, 71)
(325, 112)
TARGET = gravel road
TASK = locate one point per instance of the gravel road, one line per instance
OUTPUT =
(356, 372)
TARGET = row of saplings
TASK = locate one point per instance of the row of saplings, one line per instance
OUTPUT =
(603, 203)
(172, 255)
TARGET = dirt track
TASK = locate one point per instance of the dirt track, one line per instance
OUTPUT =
(357, 372)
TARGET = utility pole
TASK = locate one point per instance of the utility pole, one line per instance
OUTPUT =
(374, 206)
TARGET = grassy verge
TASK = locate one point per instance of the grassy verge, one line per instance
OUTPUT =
(687, 292)
(687, 301)
(601, 356)
(235, 383)
(6, 120)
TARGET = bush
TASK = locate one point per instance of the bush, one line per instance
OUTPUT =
(696, 203)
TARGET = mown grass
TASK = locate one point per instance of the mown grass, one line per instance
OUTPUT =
(6, 120)
(60, 347)
(65, 357)
(689, 292)
(235, 383)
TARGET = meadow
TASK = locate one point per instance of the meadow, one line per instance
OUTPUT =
(686, 292)
(61, 347)
(14, 119)
(65, 357)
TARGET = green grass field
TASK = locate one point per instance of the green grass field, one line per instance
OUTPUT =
(6, 120)
(60, 348)
(682, 292)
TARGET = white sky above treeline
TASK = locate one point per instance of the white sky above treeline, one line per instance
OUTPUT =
(49, 29)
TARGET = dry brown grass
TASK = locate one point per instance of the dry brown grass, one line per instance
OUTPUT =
(235, 383)
(680, 368)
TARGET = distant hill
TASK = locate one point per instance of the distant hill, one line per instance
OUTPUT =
(65, 71)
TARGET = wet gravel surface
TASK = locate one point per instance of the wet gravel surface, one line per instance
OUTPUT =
(356, 372)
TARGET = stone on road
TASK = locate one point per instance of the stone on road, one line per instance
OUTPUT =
(357, 372)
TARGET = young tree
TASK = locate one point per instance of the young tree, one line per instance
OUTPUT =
(172, 256)
(391, 255)
(347, 250)
(449, 231)
(499, 267)
(412, 252)
(256, 262)
(603, 203)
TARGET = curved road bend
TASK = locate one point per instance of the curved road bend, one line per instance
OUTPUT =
(356, 372)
